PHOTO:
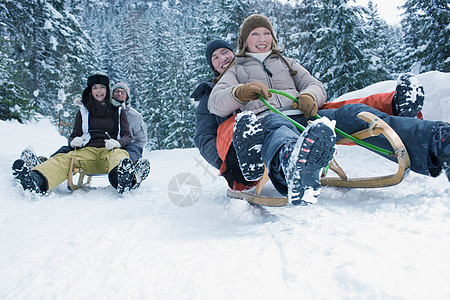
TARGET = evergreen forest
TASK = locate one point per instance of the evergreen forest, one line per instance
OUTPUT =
(48, 48)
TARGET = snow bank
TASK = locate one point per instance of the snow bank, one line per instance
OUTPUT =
(386, 243)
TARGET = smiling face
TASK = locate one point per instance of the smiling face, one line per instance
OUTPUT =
(221, 58)
(259, 40)
(99, 92)
(120, 94)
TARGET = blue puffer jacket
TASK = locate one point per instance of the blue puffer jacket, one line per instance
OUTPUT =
(207, 124)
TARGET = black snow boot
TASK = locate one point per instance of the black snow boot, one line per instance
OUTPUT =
(125, 175)
(302, 161)
(30, 158)
(440, 147)
(142, 169)
(248, 137)
(409, 96)
(30, 180)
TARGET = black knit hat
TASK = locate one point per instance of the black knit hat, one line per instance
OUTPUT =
(213, 46)
(95, 79)
(98, 79)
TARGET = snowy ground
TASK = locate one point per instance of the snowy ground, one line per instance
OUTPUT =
(387, 243)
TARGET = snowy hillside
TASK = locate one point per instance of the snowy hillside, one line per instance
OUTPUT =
(387, 243)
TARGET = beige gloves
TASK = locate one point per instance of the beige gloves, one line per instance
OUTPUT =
(250, 91)
(306, 104)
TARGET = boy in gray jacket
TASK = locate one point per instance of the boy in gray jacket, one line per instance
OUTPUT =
(121, 97)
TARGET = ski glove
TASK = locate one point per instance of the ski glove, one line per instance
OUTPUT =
(250, 91)
(76, 142)
(111, 144)
(306, 104)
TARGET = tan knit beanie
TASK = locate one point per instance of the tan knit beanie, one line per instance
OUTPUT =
(252, 22)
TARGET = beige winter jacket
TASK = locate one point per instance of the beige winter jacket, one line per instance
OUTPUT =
(249, 69)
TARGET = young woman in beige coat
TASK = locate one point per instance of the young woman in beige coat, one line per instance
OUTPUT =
(294, 160)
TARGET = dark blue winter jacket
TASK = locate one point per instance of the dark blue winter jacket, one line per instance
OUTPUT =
(207, 124)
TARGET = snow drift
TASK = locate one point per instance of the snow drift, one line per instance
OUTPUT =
(95, 244)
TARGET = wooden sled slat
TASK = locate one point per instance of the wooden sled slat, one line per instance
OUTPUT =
(376, 127)
(82, 174)
(256, 198)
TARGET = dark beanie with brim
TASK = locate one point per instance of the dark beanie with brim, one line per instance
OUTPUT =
(213, 46)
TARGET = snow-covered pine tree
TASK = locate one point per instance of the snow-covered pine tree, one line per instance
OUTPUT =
(74, 51)
(342, 60)
(14, 99)
(300, 38)
(132, 57)
(46, 36)
(427, 34)
(159, 80)
(182, 127)
(377, 42)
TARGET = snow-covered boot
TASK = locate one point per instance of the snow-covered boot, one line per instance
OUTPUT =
(30, 158)
(409, 96)
(125, 175)
(29, 180)
(248, 137)
(440, 147)
(302, 161)
(142, 169)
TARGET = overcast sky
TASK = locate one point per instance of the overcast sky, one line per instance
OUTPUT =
(387, 9)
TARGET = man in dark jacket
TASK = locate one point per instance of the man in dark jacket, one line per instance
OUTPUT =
(219, 54)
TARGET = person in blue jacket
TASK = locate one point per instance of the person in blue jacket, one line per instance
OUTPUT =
(219, 53)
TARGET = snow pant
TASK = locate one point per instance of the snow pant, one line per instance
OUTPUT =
(134, 150)
(277, 132)
(416, 134)
(93, 160)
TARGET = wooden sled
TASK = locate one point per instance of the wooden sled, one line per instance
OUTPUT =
(82, 175)
(376, 127)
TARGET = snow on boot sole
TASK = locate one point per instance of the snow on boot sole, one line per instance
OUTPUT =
(409, 96)
(248, 137)
(22, 173)
(313, 151)
(142, 169)
(30, 158)
(125, 174)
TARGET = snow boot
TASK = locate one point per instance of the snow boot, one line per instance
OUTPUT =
(440, 147)
(30, 158)
(142, 169)
(303, 160)
(30, 180)
(248, 137)
(409, 96)
(125, 175)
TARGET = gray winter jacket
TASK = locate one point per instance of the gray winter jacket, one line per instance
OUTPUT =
(137, 126)
(273, 73)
